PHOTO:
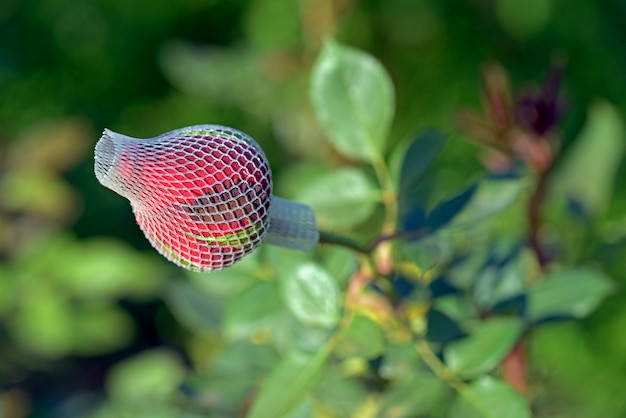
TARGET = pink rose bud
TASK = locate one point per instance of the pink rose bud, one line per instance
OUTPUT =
(202, 195)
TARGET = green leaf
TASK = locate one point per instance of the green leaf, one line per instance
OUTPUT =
(341, 394)
(36, 191)
(432, 250)
(148, 376)
(44, 325)
(361, 338)
(341, 199)
(572, 292)
(491, 197)
(304, 410)
(229, 75)
(311, 294)
(193, 307)
(412, 397)
(257, 310)
(158, 409)
(290, 180)
(483, 350)
(588, 172)
(105, 268)
(353, 99)
(502, 277)
(446, 210)
(418, 158)
(99, 329)
(228, 374)
(341, 261)
(293, 379)
(400, 361)
(489, 397)
(293, 335)
(414, 191)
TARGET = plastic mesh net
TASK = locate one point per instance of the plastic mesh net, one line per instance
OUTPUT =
(202, 194)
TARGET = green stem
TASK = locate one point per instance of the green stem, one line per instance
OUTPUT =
(534, 218)
(389, 195)
(440, 369)
(330, 238)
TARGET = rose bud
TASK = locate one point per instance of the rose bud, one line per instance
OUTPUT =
(202, 195)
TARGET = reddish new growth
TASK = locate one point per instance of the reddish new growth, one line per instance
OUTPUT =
(523, 127)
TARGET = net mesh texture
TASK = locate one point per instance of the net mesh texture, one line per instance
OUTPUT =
(202, 195)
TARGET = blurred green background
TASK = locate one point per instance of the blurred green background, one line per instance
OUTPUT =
(80, 288)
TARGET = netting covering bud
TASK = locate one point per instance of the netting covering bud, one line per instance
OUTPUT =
(202, 195)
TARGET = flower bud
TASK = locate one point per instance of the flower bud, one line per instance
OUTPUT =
(202, 195)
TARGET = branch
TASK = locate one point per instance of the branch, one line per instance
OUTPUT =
(330, 238)
(534, 218)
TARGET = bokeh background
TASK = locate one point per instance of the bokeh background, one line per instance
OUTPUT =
(81, 291)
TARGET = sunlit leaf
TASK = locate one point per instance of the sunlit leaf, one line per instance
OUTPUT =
(292, 334)
(295, 377)
(490, 198)
(588, 172)
(572, 292)
(160, 409)
(342, 262)
(281, 260)
(100, 329)
(341, 198)
(489, 397)
(304, 410)
(231, 76)
(147, 376)
(256, 310)
(412, 397)
(341, 394)
(311, 294)
(106, 267)
(362, 337)
(291, 180)
(44, 324)
(484, 348)
(400, 361)
(353, 99)
(34, 190)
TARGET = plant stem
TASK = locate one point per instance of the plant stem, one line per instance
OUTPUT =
(391, 209)
(330, 238)
(436, 365)
(514, 365)
(415, 234)
(514, 368)
(534, 218)
(389, 195)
